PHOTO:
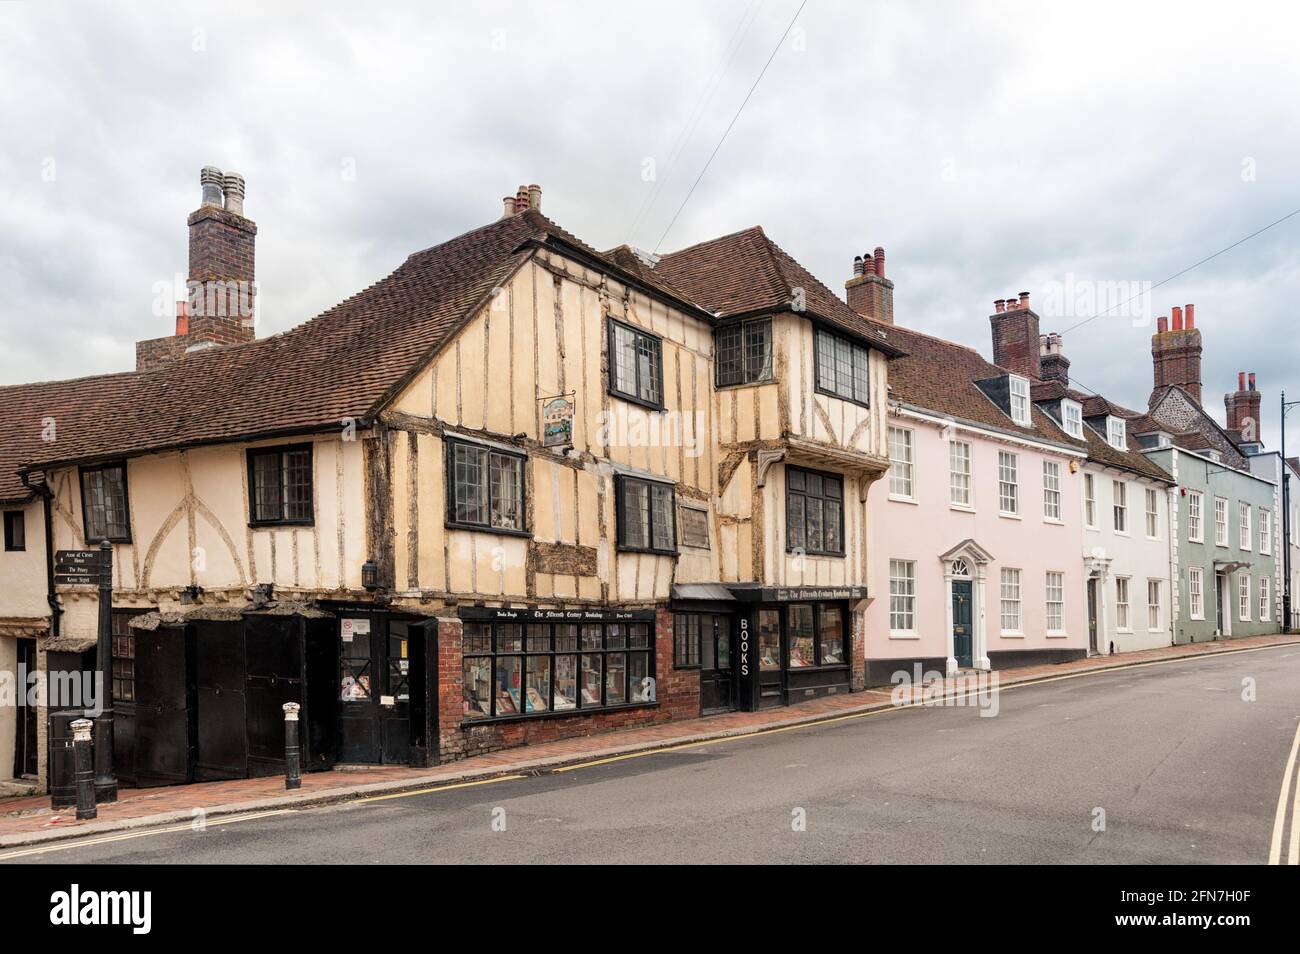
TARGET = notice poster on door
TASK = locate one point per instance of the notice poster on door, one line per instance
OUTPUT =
(354, 627)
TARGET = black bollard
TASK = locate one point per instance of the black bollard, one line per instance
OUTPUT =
(292, 756)
(84, 768)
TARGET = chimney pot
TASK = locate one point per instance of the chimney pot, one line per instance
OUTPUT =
(1000, 306)
(1178, 318)
(182, 318)
(1252, 380)
(233, 185)
(535, 197)
(880, 261)
(857, 265)
(1191, 316)
(508, 204)
(1162, 323)
(210, 179)
(1241, 380)
(1024, 299)
(521, 199)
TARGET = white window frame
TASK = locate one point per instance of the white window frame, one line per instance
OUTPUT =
(1055, 587)
(1090, 501)
(1245, 538)
(902, 597)
(1018, 389)
(1153, 513)
(1155, 610)
(1052, 490)
(1265, 531)
(1196, 517)
(1265, 599)
(1012, 602)
(1196, 592)
(1119, 506)
(1123, 605)
(1243, 596)
(1072, 418)
(902, 463)
(1220, 521)
(956, 474)
(1116, 432)
(1008, 483)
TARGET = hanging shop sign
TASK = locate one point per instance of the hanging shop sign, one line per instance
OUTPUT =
(557, 421)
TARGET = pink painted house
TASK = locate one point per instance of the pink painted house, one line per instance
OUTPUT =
(977, 526)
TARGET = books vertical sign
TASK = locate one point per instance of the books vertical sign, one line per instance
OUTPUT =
(557, 420)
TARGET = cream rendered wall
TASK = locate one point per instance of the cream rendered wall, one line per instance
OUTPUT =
(1134, 555)
(545, 333)
(930, 526)
(189, 526)
(22, 572)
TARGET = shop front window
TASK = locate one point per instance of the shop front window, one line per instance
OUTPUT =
(802, 653)
(354, 686)
(769, 639)
(513, 669)
(830, 635)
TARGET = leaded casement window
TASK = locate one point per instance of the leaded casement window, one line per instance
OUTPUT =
(959, 474)
(1196, 591)
(1051, 490)
(1220, 522)
(521, 669)
(814, 512)
(1195, 523)
(635, 365)
(693, 527)
(1119, 502)
(842, 367)
(280, 485)
(645, 515)
(1123, 609)
(1090, 500)
(744, 352)
(902, 596)
(123, 654)
(1072, 418)
(104, 510)
(1019, 390)
(1008, 482)
(1055, 601)
(1243, 596)
(1265, 531)
(1153, 514)
(1011, 601)
(1153, 605)
(1116, 434)
(485, 489)
(686, 640)
(1265, 599)
(900, 462)
(1243, 525)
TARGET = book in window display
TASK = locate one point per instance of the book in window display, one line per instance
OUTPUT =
(506, 703)
(536, 703)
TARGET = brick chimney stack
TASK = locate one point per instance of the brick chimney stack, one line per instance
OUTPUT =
(1176, 352)
(1054, 365)
(869, 292)
(1243, 407)
(1016, 341)
(220, 290)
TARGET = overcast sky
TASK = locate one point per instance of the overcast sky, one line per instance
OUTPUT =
(991, 148)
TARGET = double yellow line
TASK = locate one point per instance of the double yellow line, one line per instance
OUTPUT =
(1289, 781)
(127, 836)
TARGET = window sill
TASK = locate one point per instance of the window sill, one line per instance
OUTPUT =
(640, 402)
(554, 714)
(1122, 533)
(839, 397)
(903, 634)
(1011, 634)
(961, 508)
(740, 385)
(650, 550)
(280, 524)
(899, 498)
(498, 531)
(1009, 516)
(1057, 634)
(1054, 521)
(814, 553)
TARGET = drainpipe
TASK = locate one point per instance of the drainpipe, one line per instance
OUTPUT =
(47, 499)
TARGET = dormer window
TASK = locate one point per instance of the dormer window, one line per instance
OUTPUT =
(1115, 433)
(1019, 388)
(1072, 418)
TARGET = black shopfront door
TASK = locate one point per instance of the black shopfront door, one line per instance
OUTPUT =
(717, 668)
(961, 623)
(383, 690)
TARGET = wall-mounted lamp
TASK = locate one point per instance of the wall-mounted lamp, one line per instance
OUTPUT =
(370, 575)
(191, 594)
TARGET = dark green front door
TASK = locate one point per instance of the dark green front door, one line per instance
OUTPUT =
(961, 623)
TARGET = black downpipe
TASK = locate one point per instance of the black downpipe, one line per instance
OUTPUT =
(47, 501)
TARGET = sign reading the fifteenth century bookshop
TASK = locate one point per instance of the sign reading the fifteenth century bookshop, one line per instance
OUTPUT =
(76, 566)
(557, 421)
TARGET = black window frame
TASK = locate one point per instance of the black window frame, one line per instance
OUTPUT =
(15, 530)
(854, 347)
(491, 631)
(522, 457)
(837, 480)
(122, 645)
(82, 473)
(818, 609)
(612, 372)
(280, 450)
(620, 492)
(688, 630)
(742, 328)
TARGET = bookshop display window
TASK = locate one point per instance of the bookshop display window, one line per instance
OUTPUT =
(814, 636)
(531, 669)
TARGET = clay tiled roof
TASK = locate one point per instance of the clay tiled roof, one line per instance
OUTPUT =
(746, 273)
(343, 364)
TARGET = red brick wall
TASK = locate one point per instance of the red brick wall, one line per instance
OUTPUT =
(872, 296)
(1176, 356)
(678, 694)
(858, 651)
(1016, 345)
